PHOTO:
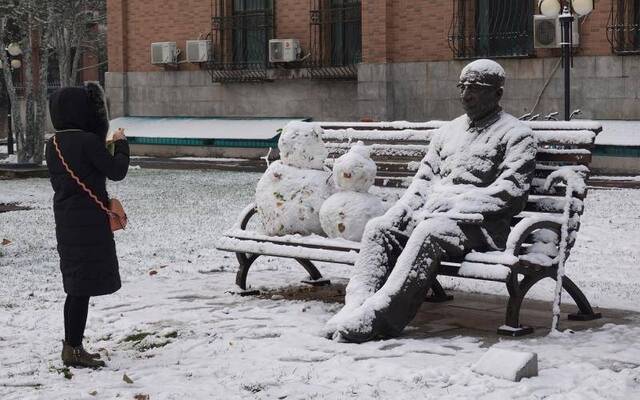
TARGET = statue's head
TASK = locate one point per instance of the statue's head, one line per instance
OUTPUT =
(481, 87)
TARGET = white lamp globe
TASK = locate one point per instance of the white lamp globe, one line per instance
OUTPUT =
(15, 64)
(14, 49)
(549, 8)
(582, 7)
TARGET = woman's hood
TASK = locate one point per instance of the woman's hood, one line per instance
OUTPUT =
(81, 108)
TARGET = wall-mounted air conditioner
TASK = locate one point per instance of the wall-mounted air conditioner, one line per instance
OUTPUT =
(164, 53)
(284, 50)
(198, 51)
(547, 32)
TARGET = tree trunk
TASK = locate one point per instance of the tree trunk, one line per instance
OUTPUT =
(26, 148)
(16, 111)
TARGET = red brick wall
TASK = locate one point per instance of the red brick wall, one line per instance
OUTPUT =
(593, 30)
(115, 34)
(292, 21)
(393, 30)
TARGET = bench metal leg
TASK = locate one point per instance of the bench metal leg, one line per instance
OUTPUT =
(585, 312)
(315, 277)
(245, 260)
(517, 292)
(438, 294)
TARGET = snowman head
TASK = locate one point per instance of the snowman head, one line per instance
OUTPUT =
(355, 170)
(301, 146)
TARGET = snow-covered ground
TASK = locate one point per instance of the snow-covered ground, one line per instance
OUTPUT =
(207, 344)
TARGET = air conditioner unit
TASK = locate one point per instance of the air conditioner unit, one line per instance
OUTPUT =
(284, 50)
(547, 32)
(164, 53)
(198, 51)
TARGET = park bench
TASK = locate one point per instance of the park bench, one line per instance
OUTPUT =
(564, 153)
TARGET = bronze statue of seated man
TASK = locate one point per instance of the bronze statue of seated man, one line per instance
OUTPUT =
(474, 179)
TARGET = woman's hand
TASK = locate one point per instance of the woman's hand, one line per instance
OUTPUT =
(119, 135)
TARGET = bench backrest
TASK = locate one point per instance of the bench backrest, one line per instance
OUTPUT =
(398, 147)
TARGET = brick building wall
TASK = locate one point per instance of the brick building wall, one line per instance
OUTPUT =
(408, 71)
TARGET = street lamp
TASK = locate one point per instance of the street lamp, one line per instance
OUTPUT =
(551, 8)
(13, 52)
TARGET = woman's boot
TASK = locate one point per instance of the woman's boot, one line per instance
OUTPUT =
(78, 357)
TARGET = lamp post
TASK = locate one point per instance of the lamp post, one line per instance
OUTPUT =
(551, 8)
(13, 52)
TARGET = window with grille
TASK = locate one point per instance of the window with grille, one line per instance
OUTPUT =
(241, 30)
(491, 28)
(336, 33)
(623, 28)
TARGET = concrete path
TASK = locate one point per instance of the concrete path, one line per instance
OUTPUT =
(471, 314)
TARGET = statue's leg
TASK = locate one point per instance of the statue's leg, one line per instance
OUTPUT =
(380, 248)
(390, 309)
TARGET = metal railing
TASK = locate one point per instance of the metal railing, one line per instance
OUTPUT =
(623, 27)
(491, 28)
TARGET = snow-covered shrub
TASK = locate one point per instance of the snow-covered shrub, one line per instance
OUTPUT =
(301, 146)
(288, 199)
(345, 214)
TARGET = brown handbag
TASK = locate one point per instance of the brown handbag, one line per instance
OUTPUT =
(117, 217)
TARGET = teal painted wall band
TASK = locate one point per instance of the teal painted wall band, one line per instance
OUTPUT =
(617, 151)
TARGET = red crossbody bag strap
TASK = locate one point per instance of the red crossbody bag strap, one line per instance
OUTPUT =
(75, 178)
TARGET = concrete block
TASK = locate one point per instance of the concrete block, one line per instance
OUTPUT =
(116, 109)
(417, 71)
(113, 79)
(371, 90)
(583, 67)
(438, 109)
(455, 68)
(438, 70)
(373, 72)
(201, 78)
(595, 87)
(507, 364)
(373, 109)
(380, 73)
(608, 66)
(549, 66)
(169, 78)
(522, 88)
(510, 66)
(183, 78)
(530, 68)
(365, 73)
(617, 88)
(631, 66)
(114, 93)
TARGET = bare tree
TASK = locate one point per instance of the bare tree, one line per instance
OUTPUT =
(75, 30)
(29, 19)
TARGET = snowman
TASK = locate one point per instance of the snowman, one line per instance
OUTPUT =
(345, 213)
(290, 193)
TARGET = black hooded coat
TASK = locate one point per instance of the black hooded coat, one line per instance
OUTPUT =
(87, 250)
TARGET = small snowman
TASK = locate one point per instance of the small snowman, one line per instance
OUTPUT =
(290, 193)
(345, 213)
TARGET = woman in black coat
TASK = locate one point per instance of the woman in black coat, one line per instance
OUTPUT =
(87, 250)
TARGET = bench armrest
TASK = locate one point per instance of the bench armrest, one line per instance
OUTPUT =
(526, 226)
(244, 216)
